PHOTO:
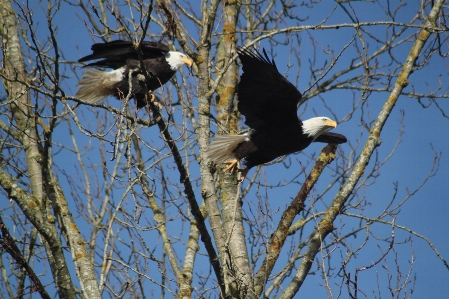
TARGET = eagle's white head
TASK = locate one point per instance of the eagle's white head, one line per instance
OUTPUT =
(177, 59)
(316, 126)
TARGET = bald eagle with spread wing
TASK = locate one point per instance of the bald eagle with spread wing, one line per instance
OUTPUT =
(121, 56)
(269, 103)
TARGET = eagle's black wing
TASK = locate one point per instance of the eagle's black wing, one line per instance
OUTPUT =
(115, 53)
(328, 137)
(266, 98)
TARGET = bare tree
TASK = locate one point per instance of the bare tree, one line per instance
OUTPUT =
(104, 200)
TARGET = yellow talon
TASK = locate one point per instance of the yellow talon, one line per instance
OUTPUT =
(153, 100)
(231, 165)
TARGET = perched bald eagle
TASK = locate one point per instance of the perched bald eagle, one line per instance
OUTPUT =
(121, 56)
(269, 103)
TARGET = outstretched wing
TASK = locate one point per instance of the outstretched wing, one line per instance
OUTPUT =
(328, 137)
(266, 98)
(114, 54)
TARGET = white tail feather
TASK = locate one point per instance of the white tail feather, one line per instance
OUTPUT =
(221, 148)
(96, 85)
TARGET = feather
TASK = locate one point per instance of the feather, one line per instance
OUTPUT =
(221, 149)
(96, 84)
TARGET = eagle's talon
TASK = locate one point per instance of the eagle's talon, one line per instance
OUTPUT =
(243, 173)
(158, 105)
(153, 101)
(231, 165)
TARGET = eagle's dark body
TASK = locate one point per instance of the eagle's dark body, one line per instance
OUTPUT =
(122, 56)
(269, 103)
(260, 149)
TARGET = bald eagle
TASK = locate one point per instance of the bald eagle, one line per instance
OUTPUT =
(121, 56)
(269, 103)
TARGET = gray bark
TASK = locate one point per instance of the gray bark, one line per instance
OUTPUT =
(18, 97)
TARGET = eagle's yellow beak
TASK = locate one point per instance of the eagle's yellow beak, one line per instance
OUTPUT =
(187, 61)
(331, 123)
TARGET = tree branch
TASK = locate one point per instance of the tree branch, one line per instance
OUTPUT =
(278, 238)
(8, 244)
(326, 224)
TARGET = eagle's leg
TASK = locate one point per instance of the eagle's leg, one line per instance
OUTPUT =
(243, 173)
(232, 165)
(141, 78)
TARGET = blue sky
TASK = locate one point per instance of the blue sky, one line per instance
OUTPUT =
(425, 132)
